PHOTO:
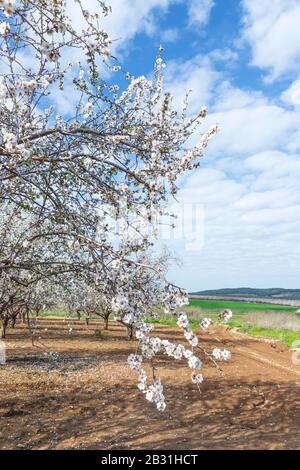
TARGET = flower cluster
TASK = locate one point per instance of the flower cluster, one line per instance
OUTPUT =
(191, 337)
(155, 394)
(26, 85)
(205, 323)
(197, 152)
(225, 315)
(182, 321)
(194, 362)
(8, 6)
(119, 303)
(197, 379)
(4, 28)
(3, 90)
(220, 355)
(150, 346)
(142, 380)
(51, 53)
(135, 361)
(87, 110)
(57, 27)
(174, 298)
(11, 142)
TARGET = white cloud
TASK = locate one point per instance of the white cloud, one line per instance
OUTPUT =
(262, 200)
(251, 196)
(291, 96)
(252, 128)
(249, 122)
(251, 224)
(229, 97)
(169, 35)
(199, 11)
(223, 55)
(271, 27)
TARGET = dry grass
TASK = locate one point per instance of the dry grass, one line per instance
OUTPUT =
(280, 321)
(195, 313)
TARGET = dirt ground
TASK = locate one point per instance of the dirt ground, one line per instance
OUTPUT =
(88, 399)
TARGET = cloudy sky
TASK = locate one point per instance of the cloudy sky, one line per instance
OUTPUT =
(241, 58)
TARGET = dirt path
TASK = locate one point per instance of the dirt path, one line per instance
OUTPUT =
(87, 399)
(266, 351)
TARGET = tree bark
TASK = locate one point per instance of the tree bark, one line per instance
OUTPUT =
(130, 332)
(3, 327)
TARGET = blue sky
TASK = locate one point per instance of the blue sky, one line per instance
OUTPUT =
(241, 58)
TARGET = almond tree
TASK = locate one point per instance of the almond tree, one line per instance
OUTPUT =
(112, 155)
(33, 256)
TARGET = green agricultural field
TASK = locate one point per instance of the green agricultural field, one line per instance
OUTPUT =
(237, 306)
(267, 320)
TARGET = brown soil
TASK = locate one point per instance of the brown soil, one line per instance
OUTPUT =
(87, 398)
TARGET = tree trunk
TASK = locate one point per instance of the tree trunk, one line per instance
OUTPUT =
(130, 332)
(38, 311)
(106, 323)
(3, 327)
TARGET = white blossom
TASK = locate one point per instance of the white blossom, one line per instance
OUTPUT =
(194, 362)
(191, 337)
(217, 353)
(226, 355)
(225, 315)
(135, 361)
(4, 28)
(197, 379)
(205, 323)
(8, 6)
(11, 141)
(182, 321)
(221, 355)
